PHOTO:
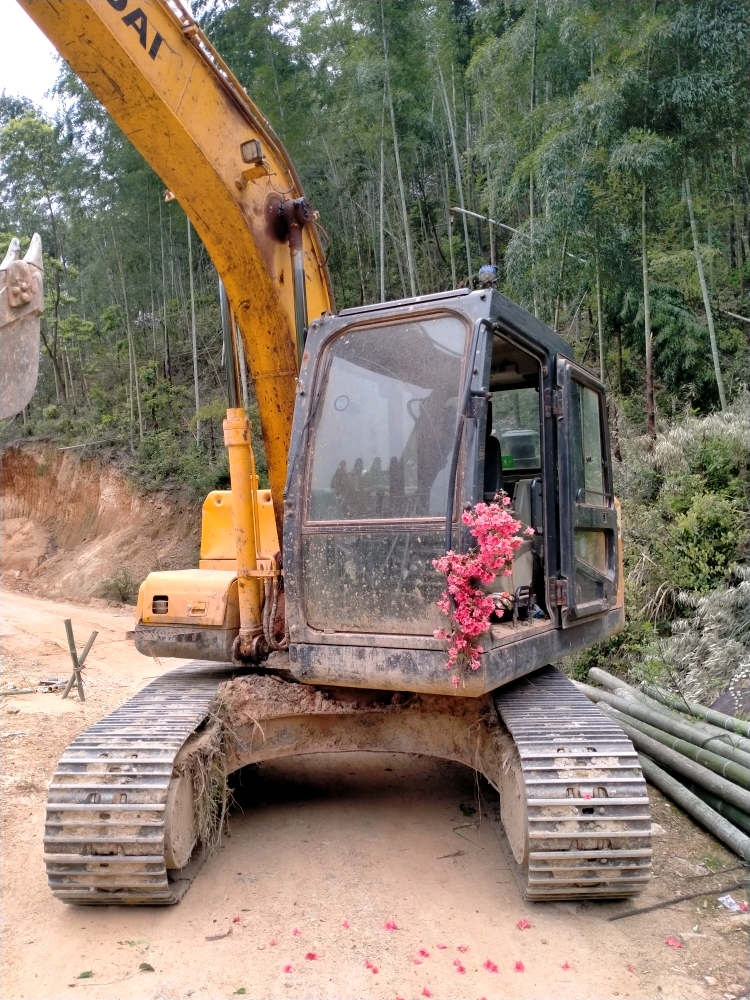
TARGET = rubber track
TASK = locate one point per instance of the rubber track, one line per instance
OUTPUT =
(589, 819)
(104, 832)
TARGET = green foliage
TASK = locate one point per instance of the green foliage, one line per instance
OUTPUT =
(164, 457)
(622, 653)
(686, 524)
(123, 587)
(624, 95)
(702, 542)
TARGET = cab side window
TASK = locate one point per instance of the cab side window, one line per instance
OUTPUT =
(588, 472)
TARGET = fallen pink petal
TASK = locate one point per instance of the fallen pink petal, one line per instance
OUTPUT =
(390, 925)
(523, 924)
(368, 963)
(374, 970)
(424, 953)
(490, 966)
(460, 969)
(630, 968)
(673, 943)
(520, 967)
(295, 932)
(442, 947)
(417, 961)
(311, 956)
(235, 920)
(272, 943)
(426, 992)
(463, 947)
(345, 924)
(565, 965)
(287, 968)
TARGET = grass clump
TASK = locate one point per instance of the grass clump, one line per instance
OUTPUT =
(122, 588)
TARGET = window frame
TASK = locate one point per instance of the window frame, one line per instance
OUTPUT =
(310, 525)
(574, 513)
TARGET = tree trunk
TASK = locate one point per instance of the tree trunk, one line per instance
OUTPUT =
(194, 334)
(449, 220)
(151, 276)
(706, 298)
(402, 193)
(381, 220)
(737, 219)
(459, 183)
(135, 391)
(650, 413)
(599, 319)
(55, 364)
(167, 360)
(242, 364)
(531, 171)
(398, 252)
(559, 280)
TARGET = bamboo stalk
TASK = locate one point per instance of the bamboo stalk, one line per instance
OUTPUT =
(382, 221)
(694, 806)
(131, 345)
(711, 715)
(599, 319)
(167, 359)
(194, 333)
(621, 688)
(531, 170)
(449, 221)
(457, 168)
(706, 298)
(714, 762)
(675, 761)
(739, 818)
(681, 729)
(650, 407)
(402, 193)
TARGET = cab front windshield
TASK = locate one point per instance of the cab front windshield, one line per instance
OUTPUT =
(386, 421)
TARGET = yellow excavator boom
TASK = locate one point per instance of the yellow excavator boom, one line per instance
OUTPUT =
(175, 99)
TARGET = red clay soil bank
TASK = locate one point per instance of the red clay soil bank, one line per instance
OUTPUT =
(70, 523)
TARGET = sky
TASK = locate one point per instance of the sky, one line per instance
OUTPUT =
(28, 61)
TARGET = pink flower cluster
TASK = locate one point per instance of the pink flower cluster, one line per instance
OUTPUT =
(464, 601)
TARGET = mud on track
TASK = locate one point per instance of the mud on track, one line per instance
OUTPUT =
(317, 840)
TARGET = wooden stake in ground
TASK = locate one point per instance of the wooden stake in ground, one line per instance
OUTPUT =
(77, 661)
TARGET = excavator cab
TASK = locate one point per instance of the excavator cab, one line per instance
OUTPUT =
(407, 413)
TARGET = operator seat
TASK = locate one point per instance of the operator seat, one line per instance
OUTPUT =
(493, 461)
(523, 560)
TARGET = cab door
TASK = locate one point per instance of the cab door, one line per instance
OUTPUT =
(589, 563)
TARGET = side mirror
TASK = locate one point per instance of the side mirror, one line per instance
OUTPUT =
(21, 307)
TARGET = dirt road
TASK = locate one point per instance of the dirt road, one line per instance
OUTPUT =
(331, 847)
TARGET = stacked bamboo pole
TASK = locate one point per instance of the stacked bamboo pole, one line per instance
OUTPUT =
(701, 764)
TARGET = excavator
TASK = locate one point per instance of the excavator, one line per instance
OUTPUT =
(309, 624)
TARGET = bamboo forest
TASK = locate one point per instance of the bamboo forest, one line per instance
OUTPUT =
(597, 152)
